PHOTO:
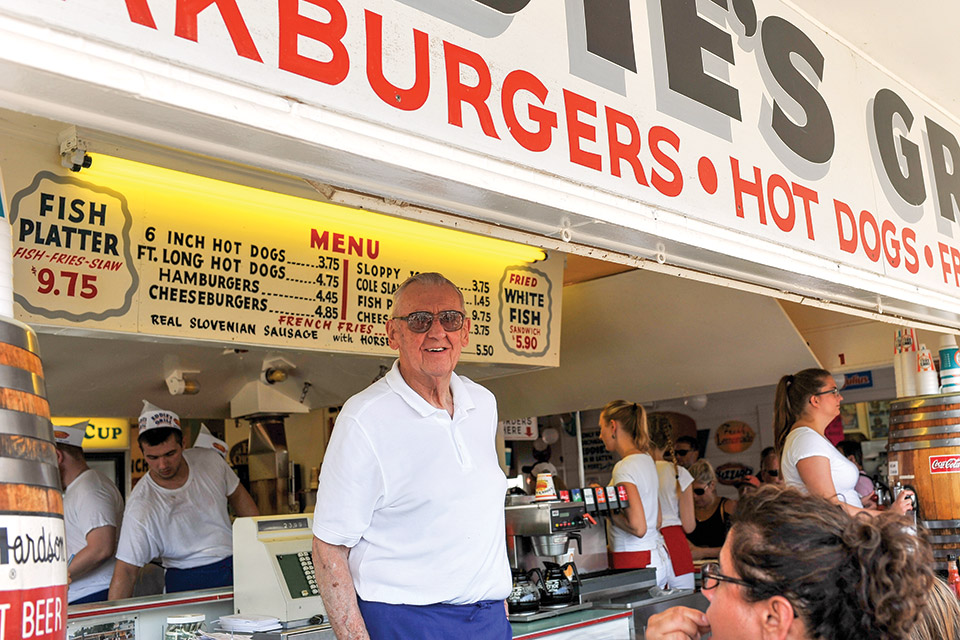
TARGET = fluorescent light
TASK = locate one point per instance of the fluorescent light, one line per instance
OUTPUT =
(200, 203)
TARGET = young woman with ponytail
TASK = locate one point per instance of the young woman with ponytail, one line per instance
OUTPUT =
(676, 505)
(795, 567)
(805, 404)
(634, 536)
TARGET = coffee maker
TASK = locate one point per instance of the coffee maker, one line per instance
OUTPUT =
(547, 528)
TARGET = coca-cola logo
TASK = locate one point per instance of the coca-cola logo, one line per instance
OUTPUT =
(945, 464)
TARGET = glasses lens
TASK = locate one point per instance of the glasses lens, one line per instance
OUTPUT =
(707, 573)
(699, 491)
(419, 321)
(450, 320)
(772, 472)
(682, 452)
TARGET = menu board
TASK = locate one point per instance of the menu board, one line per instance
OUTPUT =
(136, 248)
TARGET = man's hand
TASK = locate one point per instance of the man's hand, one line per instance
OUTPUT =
(677, 623)
(337, 592)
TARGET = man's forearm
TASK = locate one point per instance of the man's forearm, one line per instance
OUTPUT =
(337, 592)
(124, 579)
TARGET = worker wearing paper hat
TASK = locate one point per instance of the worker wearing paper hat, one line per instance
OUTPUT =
(207, 440)
(92, 512)
(73, 435)
(178, 511)
(153, 417)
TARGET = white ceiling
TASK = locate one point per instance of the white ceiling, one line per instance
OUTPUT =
(645, 336)
(916, 41)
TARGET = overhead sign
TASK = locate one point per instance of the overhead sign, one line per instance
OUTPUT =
(745, 116)
(134, 248)
(734, 436)
(520, 429)
(857, 380)
(101, 433)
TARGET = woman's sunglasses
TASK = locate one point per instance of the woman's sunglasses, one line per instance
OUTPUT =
(699, 491)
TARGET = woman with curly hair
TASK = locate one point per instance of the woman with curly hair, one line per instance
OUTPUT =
(797, 567)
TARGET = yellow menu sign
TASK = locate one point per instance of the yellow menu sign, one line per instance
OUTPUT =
(102, 433)
(130, 247)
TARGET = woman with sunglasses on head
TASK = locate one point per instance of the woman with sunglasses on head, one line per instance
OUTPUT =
(711, 511)
(676, 505)
(806, 403)
(795, 567)
(634, 536)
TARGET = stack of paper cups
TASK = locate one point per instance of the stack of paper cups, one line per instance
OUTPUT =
(927, 381)
(949, 365)
(897, 366)
(545, 488)
(905, 362)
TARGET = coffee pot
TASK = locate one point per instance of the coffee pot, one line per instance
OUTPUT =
(525, 596)
(557, 588)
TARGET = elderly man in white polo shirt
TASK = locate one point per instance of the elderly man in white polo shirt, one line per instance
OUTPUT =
(409, 531)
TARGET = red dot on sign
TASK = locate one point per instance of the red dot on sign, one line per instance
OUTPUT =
(708, 175)
(928, 256)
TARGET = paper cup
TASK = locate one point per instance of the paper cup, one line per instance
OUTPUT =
(545, 488)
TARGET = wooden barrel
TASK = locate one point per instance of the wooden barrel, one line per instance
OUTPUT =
(33, 562)
(924, 453)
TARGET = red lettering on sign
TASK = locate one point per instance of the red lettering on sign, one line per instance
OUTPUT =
(672, 187)
(188, 10)
(629, 150)
(458, 92)
(293, 25)
(139, 12)
(405, 99)
(33, 614)
(577, 130)
(945, 464)
(540, 139)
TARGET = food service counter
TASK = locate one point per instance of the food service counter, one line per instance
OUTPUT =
(143, 618)
(579, 625)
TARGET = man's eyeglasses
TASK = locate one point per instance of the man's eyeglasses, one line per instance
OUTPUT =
(682, 452)
(835, 391)
(710, 576)
(771, 472)
(421, 321)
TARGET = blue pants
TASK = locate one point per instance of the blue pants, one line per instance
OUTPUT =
(486, 620)
(208, 576)
(97, 596)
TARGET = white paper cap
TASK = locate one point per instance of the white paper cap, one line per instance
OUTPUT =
(72, 435)
(206, 440)
(153, 417)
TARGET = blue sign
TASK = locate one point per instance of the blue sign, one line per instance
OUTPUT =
(857, 380)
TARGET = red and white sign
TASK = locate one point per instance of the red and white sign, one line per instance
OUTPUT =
(33, 578)
(33, 614)
(743, 128)
(945, 464)
(521, 429)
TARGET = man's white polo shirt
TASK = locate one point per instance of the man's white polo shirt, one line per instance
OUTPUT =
(417, 495)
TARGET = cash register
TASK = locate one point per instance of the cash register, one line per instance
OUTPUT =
(273, 572)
